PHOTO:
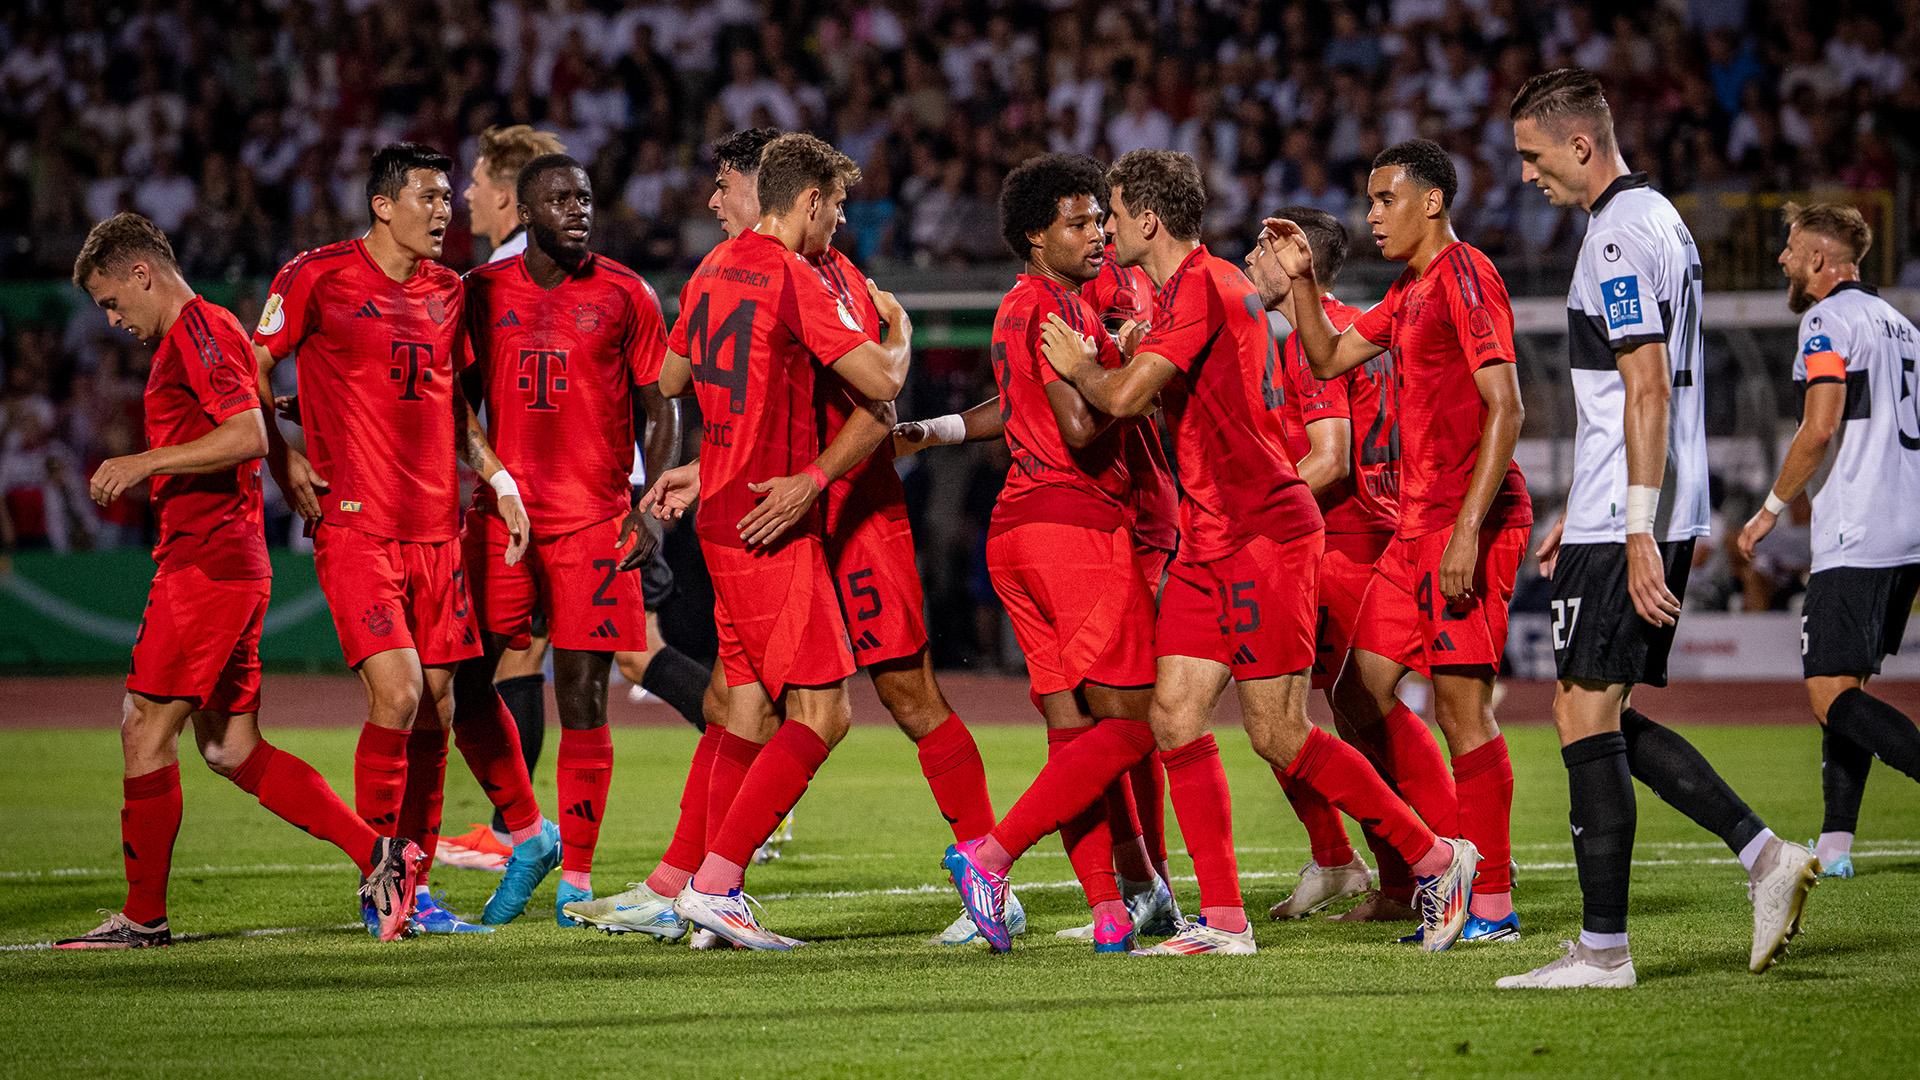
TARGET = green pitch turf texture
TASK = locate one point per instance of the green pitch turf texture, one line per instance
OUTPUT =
(868, 998)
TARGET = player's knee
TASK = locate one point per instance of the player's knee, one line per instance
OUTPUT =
(916, 705)
(394, 705)
(223, 760)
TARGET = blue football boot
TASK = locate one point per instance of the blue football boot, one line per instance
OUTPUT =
(533, 859)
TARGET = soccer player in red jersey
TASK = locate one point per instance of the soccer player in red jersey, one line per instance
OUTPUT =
(1437, 601)
(197, 656)
(1238, 602)
(378, 327)
(756, 319)
(562, 338)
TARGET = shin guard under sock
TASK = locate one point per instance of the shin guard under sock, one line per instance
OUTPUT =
(1197, 784)
(1346, 779)
(149, 822)
(585, 764)
(950, 760)
(1413, 762)
(1483, 777)
(1669, 765)
(1149, 779)
(1603, 817)
(299, 795)
(732, 760)
(1878, 728)
(426, 788)
(689, 844)
(1843, 780)
(490, 743)
(1087, 836)
(1073, 780)
(779, 776)
(380, 776)
(1326, 833)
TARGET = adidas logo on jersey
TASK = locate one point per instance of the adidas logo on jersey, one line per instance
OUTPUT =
(367, 311)
(509, 319)
(606, 629)
(867, 641)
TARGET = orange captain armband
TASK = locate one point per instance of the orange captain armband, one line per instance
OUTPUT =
(1823, 364)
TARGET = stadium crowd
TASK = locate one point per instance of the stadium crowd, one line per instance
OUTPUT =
(245, 130)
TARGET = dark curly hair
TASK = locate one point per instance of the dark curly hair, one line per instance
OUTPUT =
(1426, 164)
(740, 151)
(1030, 197)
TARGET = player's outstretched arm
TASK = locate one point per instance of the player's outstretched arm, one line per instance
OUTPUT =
(242, 437)
(788, 498)
(295, 475)
(1649, 388)
(1128, 390)
(983, 421)
(1329, 453)
(478, 453)
(878, 370)
(1824, 404)
(1330, 353)
(1499, 387)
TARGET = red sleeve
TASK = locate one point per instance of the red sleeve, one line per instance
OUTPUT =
(1320, 399)
(219, 366)
(1179, 328)
(677, 337)
(473, 343)
(1482, 315)
(1376, 323)
(462, 344)
(292, 309)
(646, 343)
(821, 321)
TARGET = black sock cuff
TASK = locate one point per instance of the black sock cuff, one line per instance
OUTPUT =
(1842, 710)
(680, 681)
(1593, 748)
(537, 679)
(1633, 722)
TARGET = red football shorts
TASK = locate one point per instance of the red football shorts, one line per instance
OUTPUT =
(590, 606)
(1153, 568)
(878, 583)
(200, 639)
(1078, 603)
(777, 616)
(1345, 569)
(395, 594)
(1404, 616)
(1252, 611)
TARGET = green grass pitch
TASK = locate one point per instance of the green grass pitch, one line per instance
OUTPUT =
(867, 998)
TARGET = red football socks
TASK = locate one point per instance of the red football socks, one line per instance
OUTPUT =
(690, 832)
(1344, 778)
(950, 761)
(296, 792)
(1198, 786)
(1073, 780)
(490, 741)
(1326, 833)
(1391, 873)
(1086, 836)
(1130, 858)
(734, 757)
(1149, 780)
(149, 821)
(426, 787)
(1484, 778)
(379, 776)
(1418, 771)
(776, 781)
(585, 765)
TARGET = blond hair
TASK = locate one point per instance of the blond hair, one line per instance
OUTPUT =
(508, 149)
(1841, 224)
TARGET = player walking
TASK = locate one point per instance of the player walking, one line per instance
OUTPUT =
(197, 656)
(1437, 599)
(1858, 445)
(378, 325)
(1238, 601)
(1619, 557)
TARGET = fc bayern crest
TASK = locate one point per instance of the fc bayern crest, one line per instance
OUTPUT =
(378, 620)
(437, 309)
(586, 318)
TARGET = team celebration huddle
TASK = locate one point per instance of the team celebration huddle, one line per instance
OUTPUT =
(1194, 500)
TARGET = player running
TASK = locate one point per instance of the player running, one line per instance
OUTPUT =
(1437, 599)
(756, 317)
(1857, 446)
(561, 340)
(1238, 601)
(1356, 485)
(1620, 555)
(197, 656)
(377, 324)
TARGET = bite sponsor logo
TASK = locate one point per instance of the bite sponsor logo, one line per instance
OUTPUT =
(1623, 301)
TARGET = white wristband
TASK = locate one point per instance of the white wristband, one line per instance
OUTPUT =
(947, 430)
(1774, 503)
(503, 485)
(1642, 503)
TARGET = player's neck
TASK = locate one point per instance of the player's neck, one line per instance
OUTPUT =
(1438, 239)
(545, 270)
(393, 260)
(790, 230)
(1600, 176)
(1824, 283)
(177, 294)
(1036, 268)
(1165, 257)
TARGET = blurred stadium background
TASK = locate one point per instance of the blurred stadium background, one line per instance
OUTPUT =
(244, 127)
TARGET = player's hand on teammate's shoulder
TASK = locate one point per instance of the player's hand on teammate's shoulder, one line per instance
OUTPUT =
(1549, 550)
(672, 493)
(514, 514)
(1129, 337)
(891, 313)
(115, 476)
(788, 498)
(1064, 347)
(646, 533)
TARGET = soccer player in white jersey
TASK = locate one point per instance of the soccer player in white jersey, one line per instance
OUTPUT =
(1619, 556)
(1857, 456)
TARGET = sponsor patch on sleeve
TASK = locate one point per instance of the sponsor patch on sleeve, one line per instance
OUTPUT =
(1823, 363)
(1623, 301)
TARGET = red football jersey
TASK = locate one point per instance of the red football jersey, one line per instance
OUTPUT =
(1050, 481)
(1118, 295)
(560, 366)
(871, 487)
(1236, 478)
(376, 359)
(203, 375)
(753, 320)
(1364, 502)
(1441, 327)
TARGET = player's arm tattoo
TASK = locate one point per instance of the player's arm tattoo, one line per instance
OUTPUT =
(475, 450)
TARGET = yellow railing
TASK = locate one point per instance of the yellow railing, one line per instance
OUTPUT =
(1740, 233)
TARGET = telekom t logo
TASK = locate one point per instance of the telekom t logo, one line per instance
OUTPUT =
(543, 371)
(412, 365)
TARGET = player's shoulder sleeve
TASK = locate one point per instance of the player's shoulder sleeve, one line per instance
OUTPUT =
(1376, 323)
(292, 309)
(1179, 328)
(1078, 314)
(218, 362)
(1477, 302)
(818, 318)
(644, 343)
(1823, 355)
(1626, 272)
(1319, 399)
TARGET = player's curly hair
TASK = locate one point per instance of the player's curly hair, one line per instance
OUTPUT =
(1843, 224)
(116, 244)
(1563, 99)
(1325, 235)
(1166, 182)
(534, 169)
(1426, 164)
(799, 162)
(388, 176)
(741, 150)
(1030, 197)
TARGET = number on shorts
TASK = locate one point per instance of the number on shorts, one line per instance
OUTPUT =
(872, 595)
(1247, 604)
(600, 597)
(1566, 613)
(1803, 635)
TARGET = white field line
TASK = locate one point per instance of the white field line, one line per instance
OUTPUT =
(268, 932)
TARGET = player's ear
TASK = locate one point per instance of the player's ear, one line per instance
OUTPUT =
(382, 209)
(1582, 148)
(523, 213)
